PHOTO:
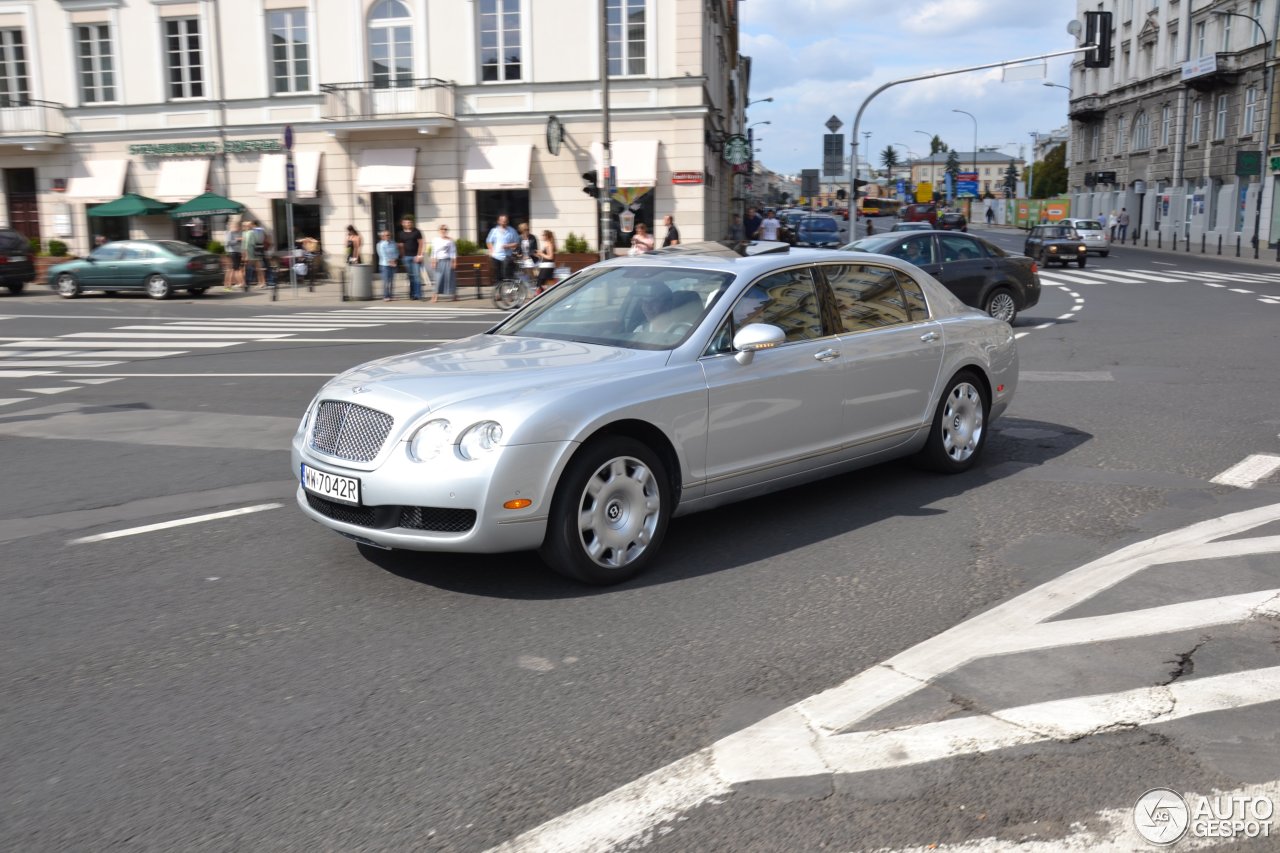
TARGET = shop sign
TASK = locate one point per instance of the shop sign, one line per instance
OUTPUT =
(187, 149)
(686, 177)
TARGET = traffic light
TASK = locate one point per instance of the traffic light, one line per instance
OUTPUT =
(592, 180)
(1097, 31)
(841, 195)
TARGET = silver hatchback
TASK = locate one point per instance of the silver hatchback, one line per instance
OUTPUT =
(651, 387)
(1092, 234)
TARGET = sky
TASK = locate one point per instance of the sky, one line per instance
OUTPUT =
(818, 58)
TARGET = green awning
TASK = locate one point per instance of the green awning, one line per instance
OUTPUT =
(209, 204)
(130, 204)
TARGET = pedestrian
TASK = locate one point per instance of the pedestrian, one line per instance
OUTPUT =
(409, 241)
(1123, 222)
(501, 242)
(991, 215)
(546, 261)
(753, 223)
(354, 244)
(528, 248)
(266, 254)
(673, 233)
(736, 233)
(249, 249)
(388, 253)
(769, 226)
(641, 241)
(1113, 222)
(99, 240)
(443, 253)
(235, 269)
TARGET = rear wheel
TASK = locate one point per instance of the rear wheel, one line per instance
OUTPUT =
(509, 294)
(158, 287)
(1001, 305)
(1104, 254)
(16, 288)
(1081, 260)
(958, 432)
(196, 291)
(609, 513)
(68, 287)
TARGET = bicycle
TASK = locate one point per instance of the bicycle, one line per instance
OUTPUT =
(513, 292)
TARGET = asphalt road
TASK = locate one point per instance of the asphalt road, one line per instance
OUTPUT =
(256, 682)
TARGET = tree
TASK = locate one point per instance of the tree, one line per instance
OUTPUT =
(953, 167)
(889, 159)
(1050, 174)
(936, 145)
(1011, 180)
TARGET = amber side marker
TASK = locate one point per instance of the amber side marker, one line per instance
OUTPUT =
(518, 503)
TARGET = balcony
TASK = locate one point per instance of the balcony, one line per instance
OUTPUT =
(31, 123)
(1212, 71)
(425, 103)
(1088, 108)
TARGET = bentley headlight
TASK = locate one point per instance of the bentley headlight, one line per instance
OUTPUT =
(480, 439)
(306, 416)
(430, 440)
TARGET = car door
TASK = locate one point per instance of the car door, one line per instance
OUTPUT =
(891, 354)
(135, 264)
(964, 267)
(102, 268)
(780, 414)
(1031, 248)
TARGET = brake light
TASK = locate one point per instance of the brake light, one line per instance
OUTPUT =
(4, 259)
(1035, 270)
(193, 264)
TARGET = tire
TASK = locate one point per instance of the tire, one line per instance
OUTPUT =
(15, 289)
(1080, 261)
(609, 514)
(1104, 254)
(67, 286)
(158, 287)
(1001, 305)
(957, 433)
(509, 295)
(196, 292)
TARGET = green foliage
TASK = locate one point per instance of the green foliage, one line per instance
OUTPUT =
(889, 159)
(1049, 175)
(33, 245)
(467, 247)
(953, 166)
(1011, 179)
(573, 244)
(57, 248)
(936, 145)
(215, 248)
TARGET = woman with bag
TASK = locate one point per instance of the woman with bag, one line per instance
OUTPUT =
(546, 261)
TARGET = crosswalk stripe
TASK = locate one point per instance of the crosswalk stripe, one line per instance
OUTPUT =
(43, 353)
(194, 327)
(49, 391)
(63, 363)
(9, 401)
(1149, 277)
(180, 336)
(102, 381)
(23, 374)
(1074, 277)
(128, 353)
(62, 342)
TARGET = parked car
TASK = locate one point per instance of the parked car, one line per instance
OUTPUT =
(820, 231)
(953, 222)
(16, 264)
(979, 273)
(920, 212)
(646, 388)
(911, 226)
(1047, 243)
(1092, 233)
(158, 267)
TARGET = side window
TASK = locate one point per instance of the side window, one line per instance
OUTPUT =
(867, 296)
(106, 253)
(915, 297)
(137, 253)
(957, 248)
(786, 299)
(914, 250)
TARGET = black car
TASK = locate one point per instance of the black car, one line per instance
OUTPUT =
(1059, 243)
(16, 265)
(953, 222)
(979, 273)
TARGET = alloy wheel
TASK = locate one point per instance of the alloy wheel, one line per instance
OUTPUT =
(962, 422)
(618, 512)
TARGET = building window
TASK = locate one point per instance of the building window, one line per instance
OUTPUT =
(1141, 132)
(1173, 47)
(1226, 32)
(290, 57)
(1166, 125)
(391, 45)
(1200, 39)
(1220, 121)
(97, 66)
(182, 52)
(15, 88)
(500, 53)
(1122, 130)
(1095, 141)
(1255, 12)
(1193, 134)
(1250, 111)
(628, 25)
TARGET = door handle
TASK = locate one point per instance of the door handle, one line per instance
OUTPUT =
(929, 336)
(827, 355)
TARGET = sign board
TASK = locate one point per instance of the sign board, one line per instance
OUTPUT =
(1106, 177)
(1248, 163)
(611, 180)
(833, 154)
(834, 124)
(967, 184)
(686, 177)
(737, 150)
(924, 191)
(1200, 67)
(290, 176)
(808, 182)
(1275, 164)
(188, 149)
(626, 222)
(288, 137)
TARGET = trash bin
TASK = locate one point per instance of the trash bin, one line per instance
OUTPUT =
(360, 282)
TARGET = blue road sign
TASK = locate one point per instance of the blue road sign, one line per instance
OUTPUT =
(290, 179)
(288, 137)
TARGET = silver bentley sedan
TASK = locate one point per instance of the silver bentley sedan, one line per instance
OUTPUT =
(650, 387)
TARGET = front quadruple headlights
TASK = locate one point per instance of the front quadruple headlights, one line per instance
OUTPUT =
(306, 416)
(435, 437)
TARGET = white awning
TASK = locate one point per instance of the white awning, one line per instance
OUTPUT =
(306, 172)
(498, 167)
(636, 161)
(181, 180)
(96, 181)
(386, 170)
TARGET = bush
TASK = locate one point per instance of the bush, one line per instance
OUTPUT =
(215, 248)
(33, 245)
(468, 247)
(57, 248)
(575, 245)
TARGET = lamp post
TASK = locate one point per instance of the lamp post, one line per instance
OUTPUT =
(911, 157)
(1268, 81)
(1057, 85)
(975, 136)
(768, 100)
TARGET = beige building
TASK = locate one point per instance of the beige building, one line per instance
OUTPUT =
(991, 167)
(439, 108)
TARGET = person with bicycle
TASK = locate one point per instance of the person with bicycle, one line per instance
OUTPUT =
(501, 243)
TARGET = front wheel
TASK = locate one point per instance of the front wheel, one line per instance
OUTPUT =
(197, 292)
(1104, 254)
(158, 287)
(509, 295)
(609, 513)
(1001, 305)
(1080, 261)
(16, 288)
(958, 432)
(68, 287)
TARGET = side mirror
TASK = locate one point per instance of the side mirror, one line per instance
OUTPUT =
(754, 337)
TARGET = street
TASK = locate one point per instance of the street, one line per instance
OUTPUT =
(886, 660)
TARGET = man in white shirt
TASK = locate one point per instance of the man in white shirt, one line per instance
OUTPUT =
(769, 227)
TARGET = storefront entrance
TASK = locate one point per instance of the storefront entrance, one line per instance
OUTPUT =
(24, 212)
(388, 210)
(490, 204)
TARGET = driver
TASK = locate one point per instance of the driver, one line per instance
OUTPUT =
(655, 302)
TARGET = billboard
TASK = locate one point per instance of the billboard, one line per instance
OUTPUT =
(967, 184)
(832, 154)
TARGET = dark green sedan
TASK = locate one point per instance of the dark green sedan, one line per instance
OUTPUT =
(158, 267)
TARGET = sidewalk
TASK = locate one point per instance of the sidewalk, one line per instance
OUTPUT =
(327, 294)
(1266, 257)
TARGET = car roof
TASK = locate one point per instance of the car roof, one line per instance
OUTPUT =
(724, 257)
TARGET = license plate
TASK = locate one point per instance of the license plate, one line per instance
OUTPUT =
(211, 266)
(333, 486)
(17, 259)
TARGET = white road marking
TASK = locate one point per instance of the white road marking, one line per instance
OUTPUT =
(813, 737)
(198, 375)
(1079, 300)
(180, 522)
(1073, 293)
(1240, 290)
(1211, 284)
(36, 363)
(1044, 326)
(49, 391)
(11, 400)
(1250, 471)
(23, 374)
(287, 329)
(1164, 279)
(129, 353)
(179, 336)
(96, 381)
(1066, 376)
(358, 341)
(1270, 301)
(1077, 307)
(42, 352)
(1066, 316)
(1019, 335)
(1164, 263)
(63, 342)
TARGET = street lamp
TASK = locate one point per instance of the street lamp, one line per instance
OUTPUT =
(753, 124)
(768, 100)
(1268, 83)
(975, 136)
(1057, 85)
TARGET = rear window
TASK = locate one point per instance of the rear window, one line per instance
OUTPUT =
(1088, 225)
(822, 225)
(182, 250)
(12, 241)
